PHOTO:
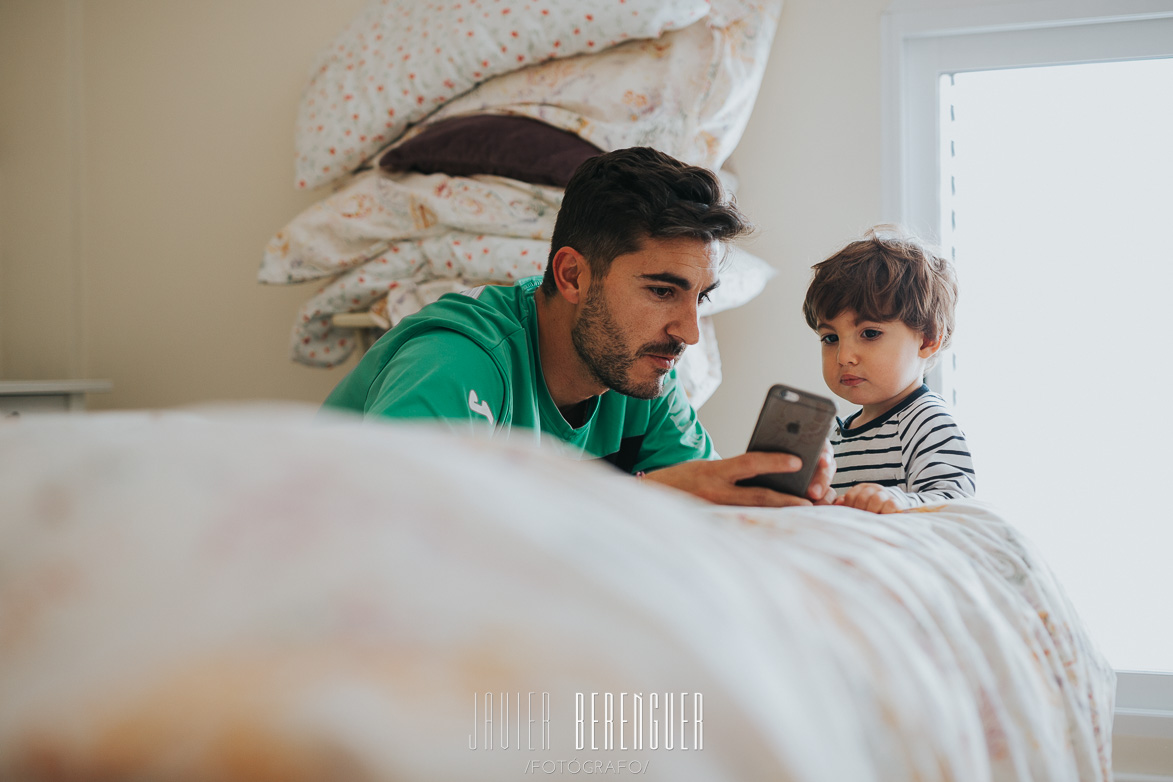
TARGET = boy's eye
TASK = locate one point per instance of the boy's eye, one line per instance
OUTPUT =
(871, 333)
(828, 339)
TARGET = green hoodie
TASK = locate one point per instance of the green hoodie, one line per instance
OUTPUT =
(472, 360)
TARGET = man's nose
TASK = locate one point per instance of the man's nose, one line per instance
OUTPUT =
(687, 327)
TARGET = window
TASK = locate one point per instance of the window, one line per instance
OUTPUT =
(1056, 206)
(1035, 147)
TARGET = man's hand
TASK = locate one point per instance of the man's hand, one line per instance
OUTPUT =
(716, 481)
(873, 497)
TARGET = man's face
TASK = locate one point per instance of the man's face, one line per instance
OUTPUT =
(635, 322)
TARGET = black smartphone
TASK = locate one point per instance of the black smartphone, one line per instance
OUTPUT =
(794, 422)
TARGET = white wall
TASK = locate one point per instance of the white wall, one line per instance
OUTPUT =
(809, 165)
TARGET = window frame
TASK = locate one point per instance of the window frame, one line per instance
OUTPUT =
(920, 45)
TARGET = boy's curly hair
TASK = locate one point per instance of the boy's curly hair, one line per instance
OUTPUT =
(889, 274)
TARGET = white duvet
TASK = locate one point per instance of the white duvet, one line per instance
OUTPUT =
(252, 594)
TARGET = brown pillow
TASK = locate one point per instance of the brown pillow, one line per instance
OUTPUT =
(516, 147)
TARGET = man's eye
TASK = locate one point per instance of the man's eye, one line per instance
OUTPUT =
(703, 298)
(871, 333)
(661, 293)
(828, 339)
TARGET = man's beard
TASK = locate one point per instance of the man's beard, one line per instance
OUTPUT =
(600, 343)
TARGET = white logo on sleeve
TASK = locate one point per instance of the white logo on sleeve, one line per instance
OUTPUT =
(479, 407)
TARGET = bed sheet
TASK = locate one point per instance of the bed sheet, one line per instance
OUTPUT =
(252, 594)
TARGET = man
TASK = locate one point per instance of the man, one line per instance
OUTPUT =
(587, 353)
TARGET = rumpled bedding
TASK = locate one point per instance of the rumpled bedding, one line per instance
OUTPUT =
(396, 242)
(384, 240)
(399, 60)
(253, 594)
(689, 92)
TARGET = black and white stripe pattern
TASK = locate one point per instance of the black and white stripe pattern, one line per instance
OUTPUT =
(916, 448)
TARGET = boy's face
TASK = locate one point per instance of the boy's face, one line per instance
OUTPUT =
(874, 364)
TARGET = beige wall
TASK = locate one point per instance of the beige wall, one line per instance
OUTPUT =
(146, 157)
(38, 199)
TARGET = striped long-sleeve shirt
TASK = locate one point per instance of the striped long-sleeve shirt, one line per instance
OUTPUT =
(915, 448)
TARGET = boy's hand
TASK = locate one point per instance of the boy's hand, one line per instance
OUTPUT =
(820, 491)
(873, 497)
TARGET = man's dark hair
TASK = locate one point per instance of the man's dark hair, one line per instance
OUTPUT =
(618, 199)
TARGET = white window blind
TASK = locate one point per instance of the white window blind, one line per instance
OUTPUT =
(1117, 580)
(1056, 198)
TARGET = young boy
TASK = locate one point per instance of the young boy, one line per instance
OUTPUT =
(883, 308)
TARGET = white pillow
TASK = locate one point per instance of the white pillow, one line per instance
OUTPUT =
(400, 60)
(688, 93)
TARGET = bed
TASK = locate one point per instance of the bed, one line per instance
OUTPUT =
(257, 593)
(446, 132)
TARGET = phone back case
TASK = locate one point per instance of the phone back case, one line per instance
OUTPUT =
(794, 422)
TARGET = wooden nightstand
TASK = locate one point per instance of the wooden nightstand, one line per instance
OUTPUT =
(19, 397)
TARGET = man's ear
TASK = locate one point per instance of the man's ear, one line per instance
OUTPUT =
(929, 347)
(572, 274)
